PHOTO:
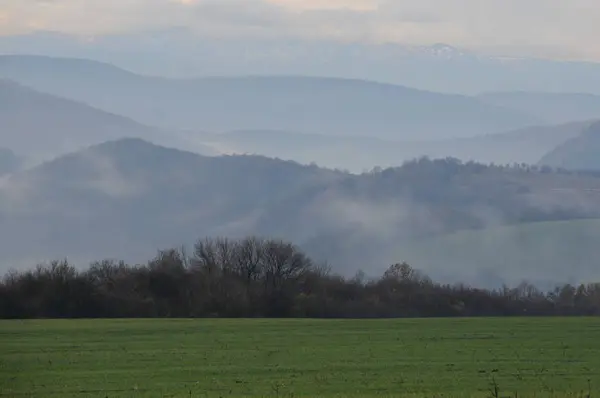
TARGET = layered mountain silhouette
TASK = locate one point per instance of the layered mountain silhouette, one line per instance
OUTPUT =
(357, 154)
(179, 52)
(330, 106)
(41, 126)
(126, 164)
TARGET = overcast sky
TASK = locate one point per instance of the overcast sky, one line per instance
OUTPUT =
(548, 28)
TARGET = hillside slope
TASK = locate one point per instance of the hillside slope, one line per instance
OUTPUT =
(358, 154)
(41, 126)
(579, 153)
(556, 108)
(127, 197)
(310, 105)
(543, 253)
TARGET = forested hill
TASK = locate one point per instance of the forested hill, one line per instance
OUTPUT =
(428, 197)
(125, 198)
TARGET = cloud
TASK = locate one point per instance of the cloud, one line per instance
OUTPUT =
(304, 5)
(556, 27)
(15, 193)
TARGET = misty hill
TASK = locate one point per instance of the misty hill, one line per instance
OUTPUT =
(125, 197)
(45, 124)
(9, 161)
(128, 197)
(307, 104)
(564, 250)
(357, 154)
(555, 108)
(432, 197)
(179, 52)
(41, 126)
(524, 145)
(405, 226)
(579, 153)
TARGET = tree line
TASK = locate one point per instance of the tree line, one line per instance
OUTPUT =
(255, 277)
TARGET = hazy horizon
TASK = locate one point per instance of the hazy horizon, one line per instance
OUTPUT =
(563, 30)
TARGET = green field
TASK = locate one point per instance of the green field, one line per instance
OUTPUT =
(300, 358)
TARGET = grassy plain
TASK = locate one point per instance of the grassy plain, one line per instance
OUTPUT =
(300, 358)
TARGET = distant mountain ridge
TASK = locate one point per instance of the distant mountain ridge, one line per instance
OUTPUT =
(63, 125)
(40, 126)
(357, 154)
(556, 108)
(178, 52)
(309, 104)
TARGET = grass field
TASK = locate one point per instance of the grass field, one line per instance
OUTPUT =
(300, 358)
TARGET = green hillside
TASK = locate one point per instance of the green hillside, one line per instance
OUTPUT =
(545, 253)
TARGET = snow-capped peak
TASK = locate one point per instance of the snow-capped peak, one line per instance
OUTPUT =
(438, 50)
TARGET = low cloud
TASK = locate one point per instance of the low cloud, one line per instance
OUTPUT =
(15, 193)
(107, 179)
